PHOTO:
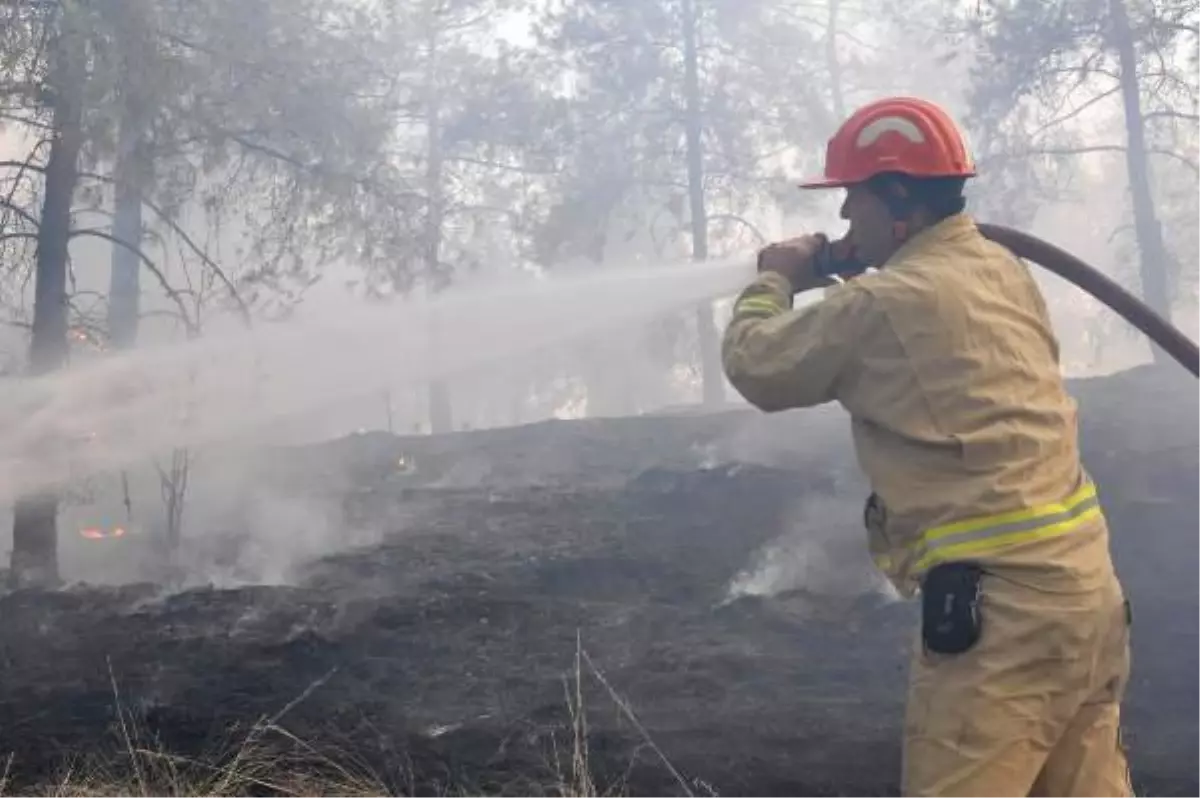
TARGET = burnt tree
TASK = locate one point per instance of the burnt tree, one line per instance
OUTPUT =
(35, 532)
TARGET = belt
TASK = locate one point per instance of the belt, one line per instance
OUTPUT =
(981, 536)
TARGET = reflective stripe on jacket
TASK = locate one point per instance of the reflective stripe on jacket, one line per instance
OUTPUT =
(975, 536)
(947, 364)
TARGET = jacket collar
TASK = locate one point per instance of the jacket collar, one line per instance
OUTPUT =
(954, 228)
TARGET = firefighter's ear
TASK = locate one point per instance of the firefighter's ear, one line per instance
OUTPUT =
(900, 231)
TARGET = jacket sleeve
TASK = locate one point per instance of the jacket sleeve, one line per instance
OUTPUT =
(779, 358)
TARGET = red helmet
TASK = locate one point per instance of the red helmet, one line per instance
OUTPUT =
(900, 134)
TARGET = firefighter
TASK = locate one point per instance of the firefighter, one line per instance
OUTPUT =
(945, 359)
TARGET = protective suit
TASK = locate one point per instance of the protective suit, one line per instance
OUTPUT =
(947, 364)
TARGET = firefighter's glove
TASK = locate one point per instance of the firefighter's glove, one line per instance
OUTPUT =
(795, 259)
(838, 260)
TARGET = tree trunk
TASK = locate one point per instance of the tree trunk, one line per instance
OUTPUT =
(124, 277)
(48, 346)
(1151, 249)
(832, 63)
(712, 378)
(441, 418)
(35, 532)
(131, 174)
(173, 484)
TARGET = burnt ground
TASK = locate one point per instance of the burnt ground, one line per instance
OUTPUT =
(450, 641)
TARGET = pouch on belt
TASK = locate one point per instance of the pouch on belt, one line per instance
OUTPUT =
(950, 599)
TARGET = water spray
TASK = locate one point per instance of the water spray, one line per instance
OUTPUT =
(105, 415)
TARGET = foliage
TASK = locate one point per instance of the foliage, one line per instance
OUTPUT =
(1046, 78)
(273, 139)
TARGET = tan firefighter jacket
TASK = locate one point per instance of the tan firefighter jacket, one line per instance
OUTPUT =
(947, 364)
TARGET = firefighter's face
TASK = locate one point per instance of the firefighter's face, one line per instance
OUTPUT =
(871, 225)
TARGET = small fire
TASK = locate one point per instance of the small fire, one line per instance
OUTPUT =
(96, 533)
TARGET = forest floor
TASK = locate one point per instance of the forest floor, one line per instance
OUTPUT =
(672, 604)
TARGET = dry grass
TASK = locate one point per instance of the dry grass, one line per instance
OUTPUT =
(267, 759)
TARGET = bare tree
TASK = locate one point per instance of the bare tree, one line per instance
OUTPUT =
(1045, 65)
(683, 121)
(34, 558)
(183, 103)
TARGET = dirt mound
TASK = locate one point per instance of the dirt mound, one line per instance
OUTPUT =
(446, 655)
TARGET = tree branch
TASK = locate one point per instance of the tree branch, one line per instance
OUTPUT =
(1179, 27)
(243, 308)
(22, 165)
(316, 169)
(1175, 156)
(273, 153)
(501, 166)
(1171, 115)
(171, 292)
(463, 24)
(1047, 152)
(468, 208)
(733, 217)
(1095, 148)
(18, 89)
(24, 120)
(1076, 111)
(19, 211)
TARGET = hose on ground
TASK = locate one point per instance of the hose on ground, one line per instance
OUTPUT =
(1089, 279)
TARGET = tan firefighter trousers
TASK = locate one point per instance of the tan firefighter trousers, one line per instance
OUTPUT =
(1033, 708)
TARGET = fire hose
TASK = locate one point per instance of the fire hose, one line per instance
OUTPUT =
(1091, 280)
(836, 261)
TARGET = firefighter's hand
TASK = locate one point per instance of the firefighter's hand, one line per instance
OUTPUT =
(795, 259)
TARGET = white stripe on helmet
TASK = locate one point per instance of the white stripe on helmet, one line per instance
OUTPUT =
(898, 124)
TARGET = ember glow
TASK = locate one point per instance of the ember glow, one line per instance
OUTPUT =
(96, 533)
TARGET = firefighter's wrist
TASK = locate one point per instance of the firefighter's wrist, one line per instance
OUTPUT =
(780, 282)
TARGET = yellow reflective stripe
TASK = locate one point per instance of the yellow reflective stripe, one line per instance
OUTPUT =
(758, 304)
(1084, 493)
(981, 535)
(756, 314)
(991, 544)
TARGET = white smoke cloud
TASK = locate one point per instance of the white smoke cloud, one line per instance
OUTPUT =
(822, 554)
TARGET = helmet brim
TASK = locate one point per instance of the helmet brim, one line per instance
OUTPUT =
(822, 182)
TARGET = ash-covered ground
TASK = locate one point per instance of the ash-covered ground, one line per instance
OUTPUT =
(710, 567)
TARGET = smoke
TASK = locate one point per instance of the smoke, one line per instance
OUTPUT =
(236, 390)
(281, 534)
(821, 555)
(247, 520)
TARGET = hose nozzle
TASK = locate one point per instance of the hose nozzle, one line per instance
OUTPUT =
(837, 260)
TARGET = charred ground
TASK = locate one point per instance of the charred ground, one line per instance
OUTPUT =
(443, 656)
